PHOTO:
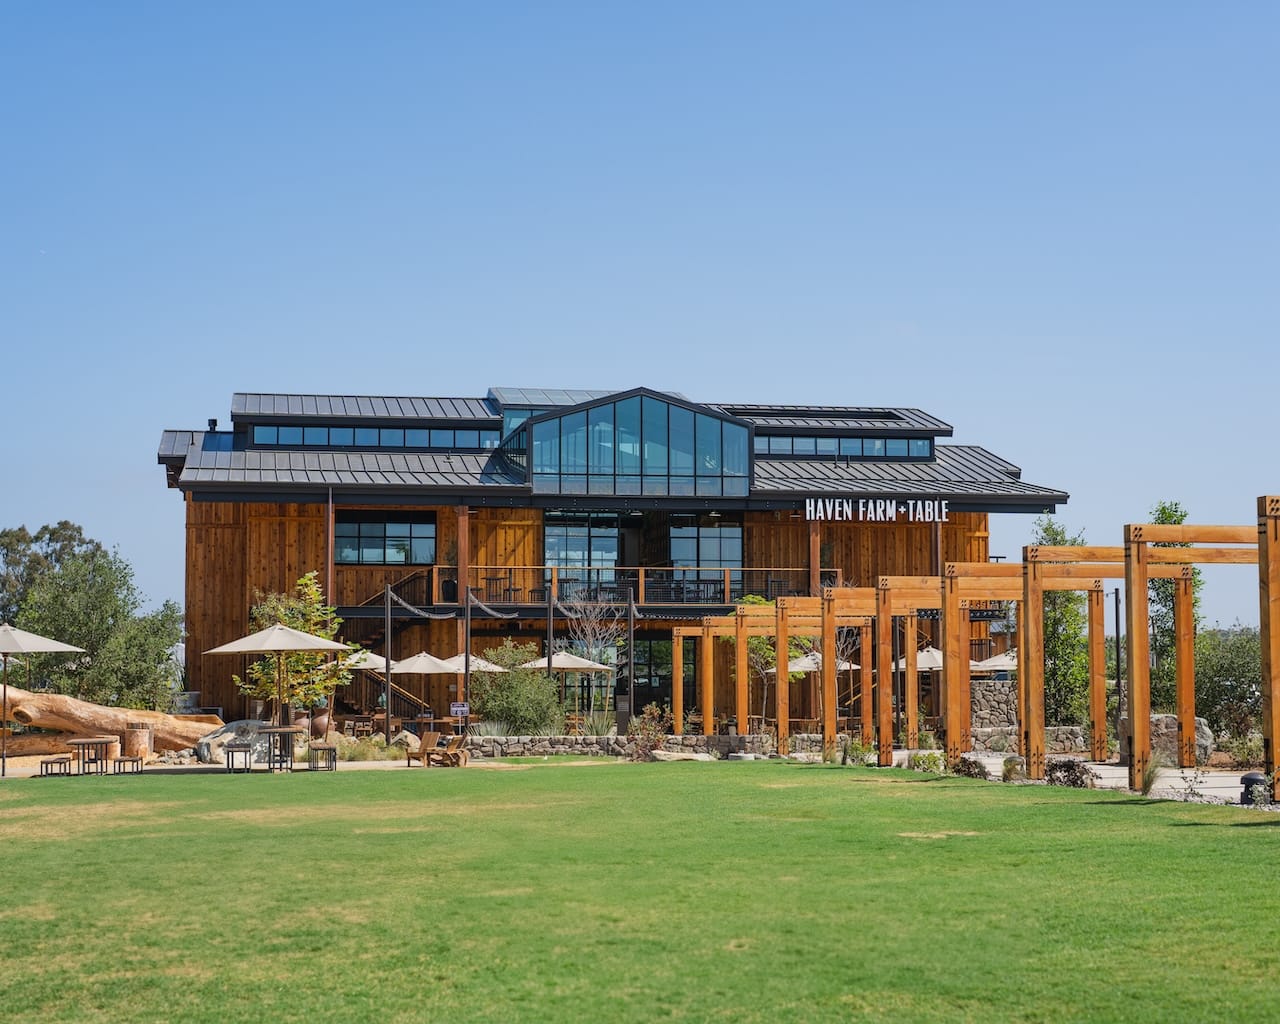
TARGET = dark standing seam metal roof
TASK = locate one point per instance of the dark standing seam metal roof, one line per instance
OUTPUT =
(548, 398)
(350, 469)
(957, 469)
(861, 418)
(252, 406)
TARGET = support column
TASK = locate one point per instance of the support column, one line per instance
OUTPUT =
(706, 681)
(952, 651)
(866, 703)
(677, 684)
(1138, 653)
(830, 664)
(782, 678)
(1020, 638)
(815, 558)
(741, 668)
(464, 553)
(912, 683)
(1269, 621)
(1032, 668)
(884, 679)
(966, 681)
(1097, 675)
(1184, 640)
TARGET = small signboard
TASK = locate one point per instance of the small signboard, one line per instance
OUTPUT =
(459, 709)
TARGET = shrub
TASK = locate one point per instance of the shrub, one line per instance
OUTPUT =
(999, 744)
(1069, 771)
(524, 700)
(930, 761)
(927, 740)
(1013, 770)
(970, 768)
(855, 752)
(1151, 772)
(1245, 750)
(599, 723)
(648, 730)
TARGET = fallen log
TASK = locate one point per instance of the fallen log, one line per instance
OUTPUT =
(43, 743)
(54, 711)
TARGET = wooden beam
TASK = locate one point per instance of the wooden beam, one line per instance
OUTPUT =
(1186, 533)
(815, 557)
(1204, 556)
(925, 583)
(1072, 553)
(1269, 607)
(952, 652)
(989, 570)
(966, 683)
(1021, 639)
(1097, 675)
(1138, 655)
(1184, 639)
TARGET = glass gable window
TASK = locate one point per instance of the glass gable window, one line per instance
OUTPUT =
(376, 538)
(639, 445)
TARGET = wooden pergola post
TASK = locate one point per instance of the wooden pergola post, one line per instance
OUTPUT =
(677, 681)
(740, 671)
(866, 707)
(884, 678)
(1097, 674)
(782, 679)
(912, 685)
(1138, 653)
(829, 668)
(952, 648)
(706, 681)
(1185, 668)
(966, 681)
(1031, 667)
(1269, 608)
(1020, 638)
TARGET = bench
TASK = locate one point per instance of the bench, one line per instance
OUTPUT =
(126, 765)
(56, 765)
(239, 753)
(322, 757)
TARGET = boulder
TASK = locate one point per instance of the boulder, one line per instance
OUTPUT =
(211, 749)
(679, 755)
(1164, 737)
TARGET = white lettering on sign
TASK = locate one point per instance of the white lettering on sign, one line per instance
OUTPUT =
(877, 510)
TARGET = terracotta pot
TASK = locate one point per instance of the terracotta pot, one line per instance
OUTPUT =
(320, 724)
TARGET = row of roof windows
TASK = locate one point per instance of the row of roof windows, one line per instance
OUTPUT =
(375, 437)
(848, 447)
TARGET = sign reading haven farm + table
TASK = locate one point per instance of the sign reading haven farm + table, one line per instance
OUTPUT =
(878, 510)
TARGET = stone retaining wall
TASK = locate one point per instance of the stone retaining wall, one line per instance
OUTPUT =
(995, 703)
(1058, 739)
(615, 746)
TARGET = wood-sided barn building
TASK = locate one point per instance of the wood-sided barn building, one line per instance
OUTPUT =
(527, 495)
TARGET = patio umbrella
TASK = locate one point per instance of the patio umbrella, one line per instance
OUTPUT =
(929, 659)
(811, 662)
(563, 661)
(279, 640)
(478, 664)
(422, 664)
(1006, 662)
(365, 661)
(19, 641)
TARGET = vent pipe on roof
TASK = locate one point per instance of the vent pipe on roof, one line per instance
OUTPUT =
(213, 424)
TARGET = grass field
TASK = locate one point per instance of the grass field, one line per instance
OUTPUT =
(659, 892)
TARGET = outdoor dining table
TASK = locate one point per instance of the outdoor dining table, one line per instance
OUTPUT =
(280, 746)
(91, 753)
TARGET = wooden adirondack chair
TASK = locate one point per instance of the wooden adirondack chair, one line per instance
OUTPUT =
(426, 747)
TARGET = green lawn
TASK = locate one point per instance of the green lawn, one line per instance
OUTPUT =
(684, 892)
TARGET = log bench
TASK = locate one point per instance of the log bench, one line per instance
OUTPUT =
(56, 765)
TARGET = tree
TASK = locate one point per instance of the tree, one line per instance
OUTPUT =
(1160, 604)
(89, 599)
(1066, 648)
(596, 628)
(1229, 678)
(762, 656)
(525, 700)
(25, 557)
(310, 677)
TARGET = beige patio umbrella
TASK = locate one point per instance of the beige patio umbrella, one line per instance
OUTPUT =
(929, 659)
(478, 664)
(19, 641)
(811, 662)
(279, 640)
(365, 661)
(422, 664)
(1006, 662)
(563, 661)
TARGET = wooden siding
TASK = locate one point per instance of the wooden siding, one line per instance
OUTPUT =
(506, 537)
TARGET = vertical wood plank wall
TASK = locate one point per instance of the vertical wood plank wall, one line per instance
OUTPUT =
(235, 549)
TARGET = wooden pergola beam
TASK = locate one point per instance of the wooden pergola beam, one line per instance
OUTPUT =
(1269, 609)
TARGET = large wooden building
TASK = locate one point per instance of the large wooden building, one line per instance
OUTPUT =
(529, 497)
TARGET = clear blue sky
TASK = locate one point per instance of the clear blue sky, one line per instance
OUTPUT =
(1054, 226)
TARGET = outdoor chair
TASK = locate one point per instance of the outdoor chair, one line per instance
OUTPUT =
(426, 745)
(453, 755)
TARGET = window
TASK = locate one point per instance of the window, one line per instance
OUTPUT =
(375, 538)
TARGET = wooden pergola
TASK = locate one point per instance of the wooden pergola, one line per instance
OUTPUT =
(1043, 569)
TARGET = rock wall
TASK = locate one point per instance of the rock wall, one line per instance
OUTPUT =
(613, 746)
(995, 703)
